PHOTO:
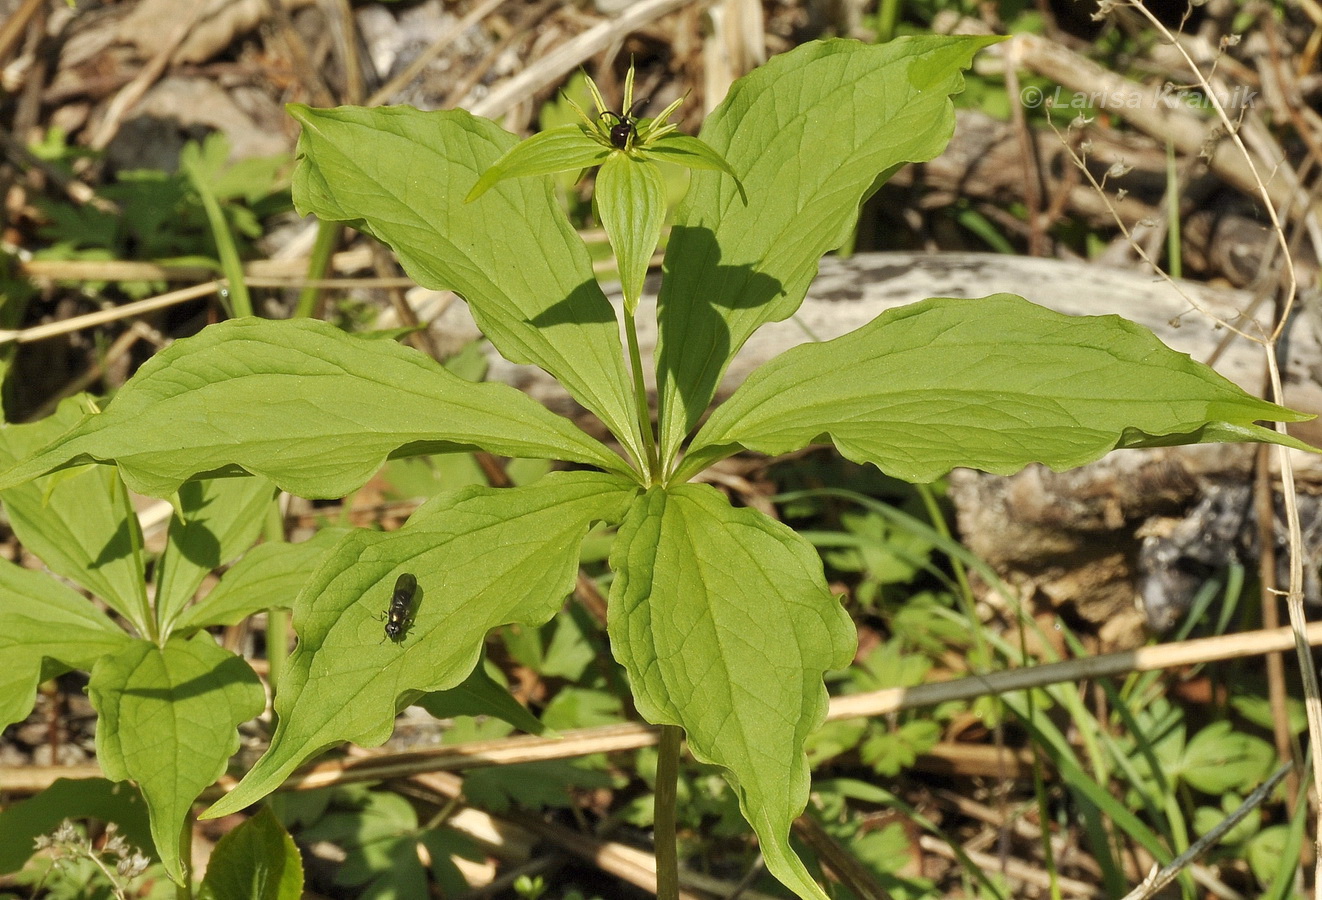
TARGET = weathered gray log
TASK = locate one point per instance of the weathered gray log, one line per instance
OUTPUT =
(1072, 539)
(849, 293)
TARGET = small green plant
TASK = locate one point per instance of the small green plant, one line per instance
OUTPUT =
(720, 615)
(159, 216)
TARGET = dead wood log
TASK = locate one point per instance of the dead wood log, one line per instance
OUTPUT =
(1070, 541)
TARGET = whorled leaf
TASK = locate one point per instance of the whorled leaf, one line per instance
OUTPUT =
(45, 628)
(268, 577)
(168, 720)
(402, 175)
(810, 135)
(723, 619)
(993, 384)
(313, 409)
(75, 521)
(481, 558)
(221, 518)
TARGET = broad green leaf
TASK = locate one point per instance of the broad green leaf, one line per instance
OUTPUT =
(481, 557)
(631, 202)
(68, 798)
(300, 402)
(222, 518)
(41, 619)
(723, 619)
(402, 175)
(268, 577)
(76, 522)
(810, 135)
(481, 695)
(993, 384)
(1219, 759)
(256, 861)
(168, 720)
(566, 148)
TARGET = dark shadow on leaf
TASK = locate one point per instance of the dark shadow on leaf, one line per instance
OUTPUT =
(118, 547)
(585, 304)
(232, 671)
(194, 538)
(694, 337)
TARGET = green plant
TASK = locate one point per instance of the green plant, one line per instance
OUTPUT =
(161, 216)
(720, 615)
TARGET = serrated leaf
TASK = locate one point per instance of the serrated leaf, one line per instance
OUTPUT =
(402, 175)
(992, 384)
(168, 720)
(41, 619)
(631, 202)
(561, 149)
(444, 844)
(889, 752)
(1267, 850)
(222, 518)
(545, 784)
(576, 707)
(1206, 819)
(75, 522)
(723, 619)
(255, 861)
(380, 839)
(810, 135)
(481, 557)
(300, 402)
(268, 577)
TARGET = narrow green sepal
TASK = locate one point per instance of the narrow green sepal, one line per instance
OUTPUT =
(561, 149)
(683, 150)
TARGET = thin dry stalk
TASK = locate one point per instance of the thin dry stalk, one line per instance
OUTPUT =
(1294, 595)
(128, 310)
(613, 738)
(561, 61)
(1167, 873)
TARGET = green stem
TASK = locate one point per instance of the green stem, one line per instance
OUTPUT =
(328, 235)
(888, 16)
(663, 820)
(147, 623)
(277, 620)
(226, 251)
(640, 399)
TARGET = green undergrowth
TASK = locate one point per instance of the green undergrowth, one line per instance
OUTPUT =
(721, 626)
